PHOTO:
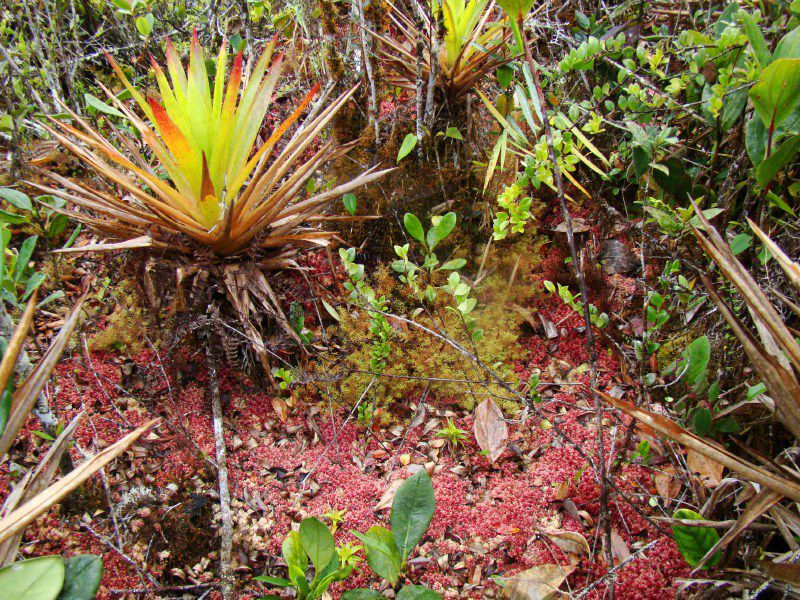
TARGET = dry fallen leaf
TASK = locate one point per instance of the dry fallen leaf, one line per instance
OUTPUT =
(538, 583)
(562, 491)
(491, 431)
(667, 484)
(388, 495)
(280, 408)
(710, 471)
(570, 542)
(619, 548)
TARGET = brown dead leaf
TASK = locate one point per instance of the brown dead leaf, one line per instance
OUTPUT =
(388, 495)
(709, 471)
(280, 408)
(570, 542)
(562, 491)
(538, 583)
(619, 548)
(491, 431)
(667, 484)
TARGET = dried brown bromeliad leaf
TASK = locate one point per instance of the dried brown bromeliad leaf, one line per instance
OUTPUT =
(491, 431)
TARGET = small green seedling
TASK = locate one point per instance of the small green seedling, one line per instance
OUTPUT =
(388, 550)
(312, 542)
(452, 434)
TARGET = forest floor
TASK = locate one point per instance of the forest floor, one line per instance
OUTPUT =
(538, 504)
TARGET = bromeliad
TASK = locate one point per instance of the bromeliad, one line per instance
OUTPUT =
(218, 191)
(470, 49)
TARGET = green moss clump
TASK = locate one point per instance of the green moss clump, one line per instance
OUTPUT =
(419, 359)
(126, 325)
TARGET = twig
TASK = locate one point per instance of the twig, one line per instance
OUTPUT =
(226, 544)
(159, 590)
(591, 345)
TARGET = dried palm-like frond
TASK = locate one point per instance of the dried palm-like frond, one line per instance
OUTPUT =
(471, 47)
(35, 492)
(218, 192)
(775, 355)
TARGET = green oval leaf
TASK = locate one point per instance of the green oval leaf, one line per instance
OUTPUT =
(16, 198)
(381, 550)
(317, 541)
(350, 203)
(409, 142)
(293, 553)
(35, 579)
(414, 227)
(777, 91)
(145, 24)
(412, 511)
(444, 227)
(695, 542)
(362, 594)
(417, 592)
(82, 577)
(697, 355)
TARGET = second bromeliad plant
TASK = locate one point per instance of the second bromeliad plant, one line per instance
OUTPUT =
(204, 195)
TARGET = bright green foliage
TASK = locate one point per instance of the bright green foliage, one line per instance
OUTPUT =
(597, 318)
(363, 295)
(452, 434)
(286, 377)
(420, 277)
(387, 550)
(412, 511)
(313, 541)
(695, 542)
(51, 578)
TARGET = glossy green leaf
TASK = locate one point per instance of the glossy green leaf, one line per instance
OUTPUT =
(293, 553)
(504, 76)
(25, 253)
(777, 91)
(785, 154)
(697, 355)
(452, 265)
(317, 541)
(445, 227)
(409, 142)
(82, 577)
(412, 511)
(382, 554)
(350, 203)
(516, 8)
(454, 133)
(16, 198)
(757, 41)
(789, 46)
(414, 227)
(417, 592)
(35, 579)
(276, 581)
(362, 594)
(100, 106)
(695, 542)
(145, 24)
